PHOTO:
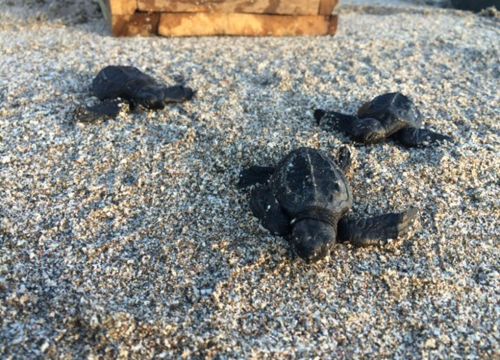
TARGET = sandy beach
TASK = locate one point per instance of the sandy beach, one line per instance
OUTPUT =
(127, 238)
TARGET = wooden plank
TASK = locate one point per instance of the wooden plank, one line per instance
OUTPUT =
(207, 24)
(326, 6)
(284, 7)
(143, 24)
(122, 7)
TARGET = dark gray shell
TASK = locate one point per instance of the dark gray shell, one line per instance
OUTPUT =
(308, 178)
(395, 111)
(121, 81)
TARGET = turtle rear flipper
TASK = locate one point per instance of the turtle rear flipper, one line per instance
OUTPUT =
(413, 137)
(109, 108)
(334, 119)
(254, 175)
(366, 130)
(267, 209)
(375, 230)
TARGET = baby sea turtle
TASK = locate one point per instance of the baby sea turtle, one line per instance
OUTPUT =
(391, 115)
(115, 84)
(475, 5)
(306, 198)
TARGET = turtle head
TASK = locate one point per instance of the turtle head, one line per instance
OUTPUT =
(312, 239)
(151, 97)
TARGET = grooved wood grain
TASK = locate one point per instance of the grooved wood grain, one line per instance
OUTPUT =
(143, 24)
(207, 24)
(122, 7)
(284, 7)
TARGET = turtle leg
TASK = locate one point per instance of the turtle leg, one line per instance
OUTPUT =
(154, 97)
(366, 130)
(254, 175)
(375, 230)
(177, 93)
(109, 108)
(267, 209)
(413, 137)
(344, 159)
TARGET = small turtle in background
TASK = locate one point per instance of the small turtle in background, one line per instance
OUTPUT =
(306, 198)
(116, 84)
(391, 115)
(475, 5)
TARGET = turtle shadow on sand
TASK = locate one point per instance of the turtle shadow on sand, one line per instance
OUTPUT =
(116, 86)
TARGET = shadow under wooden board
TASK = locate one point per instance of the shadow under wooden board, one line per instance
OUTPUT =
(220, 17)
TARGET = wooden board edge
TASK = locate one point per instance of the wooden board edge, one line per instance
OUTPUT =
(326, 7)
(137, 24)
(237, 24)
(247, 7)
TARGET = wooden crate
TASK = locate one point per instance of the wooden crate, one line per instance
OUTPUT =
(221, 17)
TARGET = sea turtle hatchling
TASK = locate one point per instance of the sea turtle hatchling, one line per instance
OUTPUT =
(391, 115)
(306, 198)
(115, 84)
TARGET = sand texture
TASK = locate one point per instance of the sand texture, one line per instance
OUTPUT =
(128, 239)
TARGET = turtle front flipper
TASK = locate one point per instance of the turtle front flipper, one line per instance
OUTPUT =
(177, 93)
(413, 137)
(375, 230)
(366, 130)
(156, 96)
(344, 159)
(254, 175)
(268, 210)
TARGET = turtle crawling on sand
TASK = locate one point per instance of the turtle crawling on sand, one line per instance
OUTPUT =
(115, 84)
(475, 5)
(391, 115)
(306, 198)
